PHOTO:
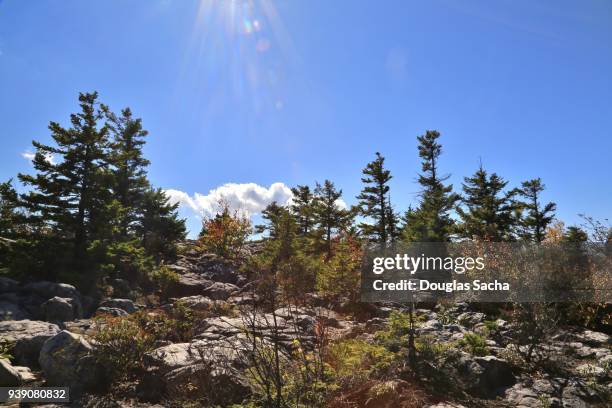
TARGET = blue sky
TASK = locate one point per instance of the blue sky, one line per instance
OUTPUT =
(268, 91)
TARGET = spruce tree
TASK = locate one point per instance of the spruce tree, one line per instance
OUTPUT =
(328, 215)
(374, 200)
(536, 218)
(302, 208)
(130, 175)
(160, 226)
(431, 221)
(11, 218)
(489, 211)
(70, 197)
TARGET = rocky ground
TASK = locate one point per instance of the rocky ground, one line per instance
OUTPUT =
(48, 327)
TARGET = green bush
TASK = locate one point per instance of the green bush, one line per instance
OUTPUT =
(163, 278)
(394, 335)
(121, 344)
(354, 361)
(6, 349)
(474, 344)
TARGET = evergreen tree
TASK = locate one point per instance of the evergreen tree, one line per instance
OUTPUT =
(489, 212)
(302, 208)
(431, 221)
(130, 176)
(160, 226)
(374, 200)
(537, 217)
(328, 215)
(575, 234)
(70, 196)
(11, 218)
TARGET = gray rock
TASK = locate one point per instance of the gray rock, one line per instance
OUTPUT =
(58, 309)
(195, 370)
(471, 319)
(111, 311)
(124, 304)
(28, 337)
(221, 386)
(9, 376)
(66, 360)
(485, 376)
(47, 290)
(189, 284)
(220, 290)
(593, 338)
(198, 302)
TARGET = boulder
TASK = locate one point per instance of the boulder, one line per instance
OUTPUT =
(220, 290)
(66, 361)
(485, 376)
(199, 303)
(220, 386)
(189, 284)
(47, 290)
(12, 376)
(201, 370)
(9, 376)
(123, 304)
(111, 311)
(28, 337)
(58, 309)
(593, 338)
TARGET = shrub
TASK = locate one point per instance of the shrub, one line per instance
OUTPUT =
(354, 361)
(225, 233)
(474, 344)
(340, 275)
(394, 335)
(121, 346)
(163, 278)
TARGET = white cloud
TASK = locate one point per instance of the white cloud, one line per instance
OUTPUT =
(28, 155)
(248, 197)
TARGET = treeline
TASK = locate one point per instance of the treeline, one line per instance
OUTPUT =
(485, 209)
(315, 244)
(89, 211)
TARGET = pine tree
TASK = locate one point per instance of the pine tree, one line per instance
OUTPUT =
(11, 218)
(160, 226)
(489, 212)
(130, 175)
(537, 218)
(328, 215)
(374, 201)
(431, 221)
(302, 208)
(70, 196)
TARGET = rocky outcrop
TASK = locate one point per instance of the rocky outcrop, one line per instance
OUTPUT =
(220, 290)
(189, 284)
(58, 309)
(195, 370)
(12, 376)
(27, 338)
(9, 376)
(66, 360)
(47, 290)
(124, 304)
